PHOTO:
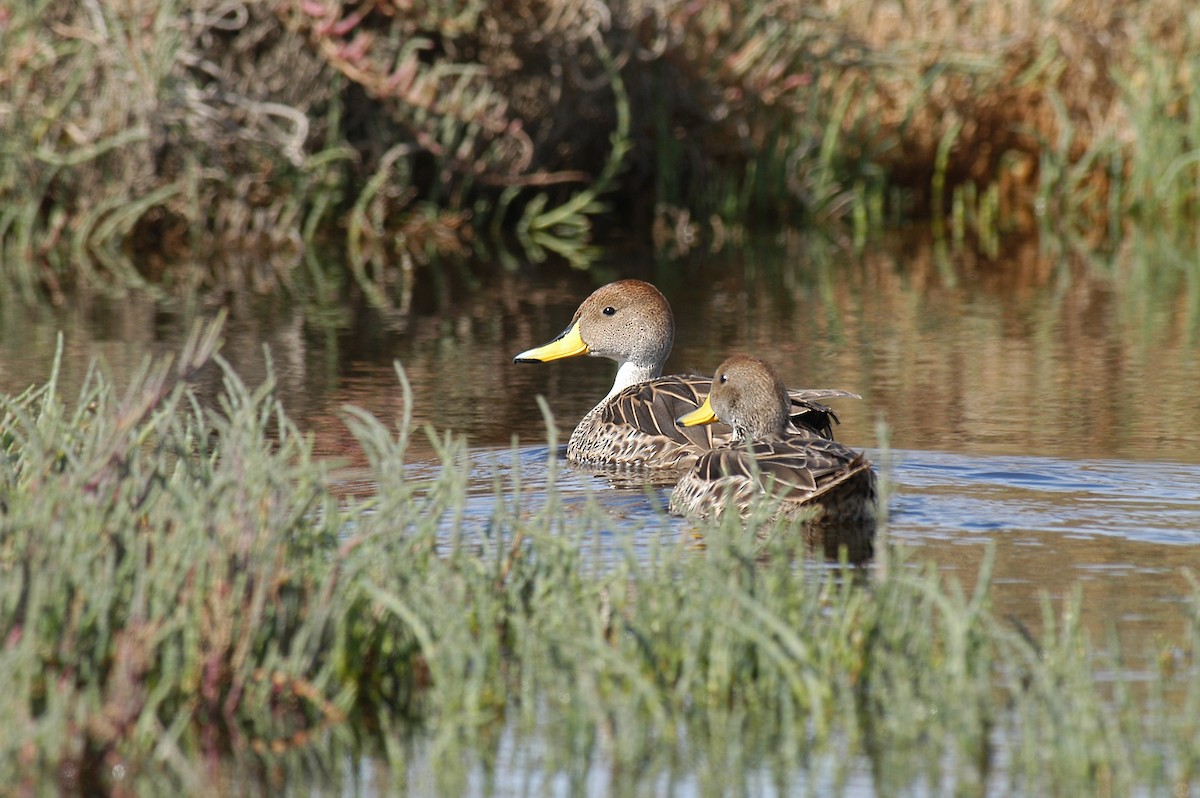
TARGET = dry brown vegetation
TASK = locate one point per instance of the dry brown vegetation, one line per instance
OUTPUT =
(1054, 99)
(145, 134)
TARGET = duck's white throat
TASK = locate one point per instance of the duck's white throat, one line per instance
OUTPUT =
(630, 373)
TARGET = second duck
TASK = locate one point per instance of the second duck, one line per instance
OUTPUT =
(810, 478)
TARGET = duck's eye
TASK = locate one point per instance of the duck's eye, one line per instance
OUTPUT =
(724, 378)
(610, 310)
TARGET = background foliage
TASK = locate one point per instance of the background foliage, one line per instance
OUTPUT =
(155, 141)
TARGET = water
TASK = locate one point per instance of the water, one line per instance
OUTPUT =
(1119, 532)
(1044, 404)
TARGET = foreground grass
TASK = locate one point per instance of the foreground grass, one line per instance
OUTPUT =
(184, 595)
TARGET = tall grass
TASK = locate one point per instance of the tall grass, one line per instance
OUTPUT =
(187, 598)
(161, 144)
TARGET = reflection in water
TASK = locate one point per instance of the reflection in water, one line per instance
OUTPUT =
(1042, 403)
(1117, 531)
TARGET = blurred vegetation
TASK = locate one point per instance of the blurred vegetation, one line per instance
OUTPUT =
(157, 143)
(189, 602)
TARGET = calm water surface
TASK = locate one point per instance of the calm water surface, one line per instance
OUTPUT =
(1041, 403)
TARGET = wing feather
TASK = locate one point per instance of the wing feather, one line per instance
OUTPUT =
(798, 470)
(636, 427)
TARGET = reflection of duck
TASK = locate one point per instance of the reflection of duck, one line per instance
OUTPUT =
(630, 322)
(814, 479)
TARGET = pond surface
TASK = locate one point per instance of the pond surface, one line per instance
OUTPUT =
(1039, 402)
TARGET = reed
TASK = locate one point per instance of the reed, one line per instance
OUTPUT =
(189, 600)
(162, 145)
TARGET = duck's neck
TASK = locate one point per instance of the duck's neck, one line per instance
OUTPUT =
(760, 428)
(630, 373)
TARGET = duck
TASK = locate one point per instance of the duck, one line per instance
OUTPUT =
(807, 477)
(633, 426)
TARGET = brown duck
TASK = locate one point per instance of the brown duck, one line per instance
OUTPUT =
(630, 321)
(811, 478)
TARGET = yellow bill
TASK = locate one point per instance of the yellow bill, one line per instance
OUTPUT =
(701, 415)
(569, 344)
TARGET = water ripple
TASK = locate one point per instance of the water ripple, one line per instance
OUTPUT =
(1151, 501)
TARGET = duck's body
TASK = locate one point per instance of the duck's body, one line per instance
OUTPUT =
(630, 321)
(812, 479)
(636, 427)
(805, 476)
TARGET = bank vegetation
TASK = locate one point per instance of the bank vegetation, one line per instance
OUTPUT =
(177, 145)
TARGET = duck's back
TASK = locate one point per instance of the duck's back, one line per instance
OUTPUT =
(809, 476)
(636, 427)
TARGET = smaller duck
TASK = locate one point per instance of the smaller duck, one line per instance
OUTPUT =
(633, 427)
(814, 479)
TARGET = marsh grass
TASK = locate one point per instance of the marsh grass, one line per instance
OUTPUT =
(168, 146)
(188, 601)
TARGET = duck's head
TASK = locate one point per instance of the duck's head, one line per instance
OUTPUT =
(628, 321)
(746, 394)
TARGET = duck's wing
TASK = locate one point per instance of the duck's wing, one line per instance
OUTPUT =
(637, 425)
(651, 408)
(636, 428)
(799, 467)
(727, 465)
(809, 414)
(805, 467)
(797, 470)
